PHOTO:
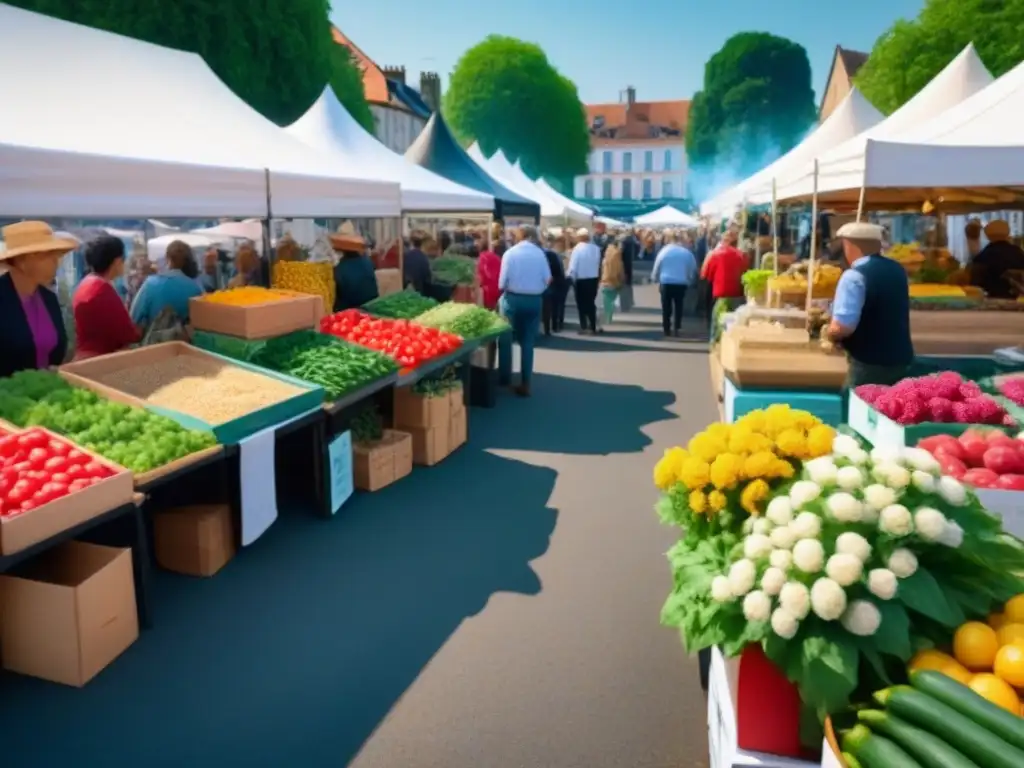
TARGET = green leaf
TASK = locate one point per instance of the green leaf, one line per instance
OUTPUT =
(829, 664)
(893, 636)
(921, 593)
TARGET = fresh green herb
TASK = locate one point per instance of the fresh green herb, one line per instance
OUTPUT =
(466, 320)
(438, 385)
(454, 269)
(367, 425)
(403, 305)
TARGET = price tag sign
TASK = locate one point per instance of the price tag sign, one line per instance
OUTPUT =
(340, 469)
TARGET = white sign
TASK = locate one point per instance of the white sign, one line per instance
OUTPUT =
(340, 468)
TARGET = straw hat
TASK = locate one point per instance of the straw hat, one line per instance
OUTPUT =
(997, 230)
(32, 237)
(347, 239)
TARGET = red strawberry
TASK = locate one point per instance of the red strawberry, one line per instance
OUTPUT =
(970, 390)
(941, 410)
(914, 412)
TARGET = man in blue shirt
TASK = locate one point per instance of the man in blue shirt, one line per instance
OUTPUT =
(871, 311)
(675, 269)
(525, 275)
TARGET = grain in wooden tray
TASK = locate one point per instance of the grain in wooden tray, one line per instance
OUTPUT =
(210, 390)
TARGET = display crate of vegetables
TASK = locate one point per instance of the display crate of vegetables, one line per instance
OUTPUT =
(255, 313)
(49, 484)
(466, 320)
(914, 408)
(454, 269)
(404, 305)
(755, 285)
(337, 366)
(410, 344)
(230, 398)
(148, 444)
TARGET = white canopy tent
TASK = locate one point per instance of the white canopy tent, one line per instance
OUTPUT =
(667, 216)
(329, 128)
(575, 209)
(500, 168)
(187, 146)
(250, 229)
(841, 170)
(609, 222)
(854, 115)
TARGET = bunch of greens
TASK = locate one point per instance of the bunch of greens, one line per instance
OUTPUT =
(132, 437)
(403, 305)
(454, 269)
(466, 320)
(338, 367)
(367, 425)
(755, 281)
(439, 384)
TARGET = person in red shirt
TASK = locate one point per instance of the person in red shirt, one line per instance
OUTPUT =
(723, 269)
(102, 323)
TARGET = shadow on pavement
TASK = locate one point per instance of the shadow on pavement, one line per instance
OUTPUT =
(573, 342)
(574, 416)
(298, 649)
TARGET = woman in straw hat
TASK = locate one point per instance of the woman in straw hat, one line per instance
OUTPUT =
(990, 267)
(34, 335)
(353, 274)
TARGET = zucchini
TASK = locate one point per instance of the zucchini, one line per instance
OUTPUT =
(959, 731)
(874, 751)
(927, 749)
(851, 761)
(999, 721)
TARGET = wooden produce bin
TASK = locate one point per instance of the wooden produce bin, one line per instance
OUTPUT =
(195, 541)
(380, 463)
(21, 531)
(438, 425)
(257, 321)
(301, 396)
(964, 332)
(780, 358)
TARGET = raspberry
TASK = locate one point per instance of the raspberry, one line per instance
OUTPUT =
(985, 410)
(962, 413)
(941, 410)
(969, 390)
(914, 412)
(889, 406)
(947, 388)
(870, 393)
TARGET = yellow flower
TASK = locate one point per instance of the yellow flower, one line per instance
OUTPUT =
(754, 421)
(791, 442)
(751, 496)
(740, 439)
(669, 468)
(805, 420)
(717, 501)
(698, 502)
(819, 440)
(695, 473)
(782, 469)
(759, 442)
(706, 446)
(719, 431)
(759, 464)
(726, 471)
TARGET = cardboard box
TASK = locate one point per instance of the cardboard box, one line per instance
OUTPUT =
(257, 321)
(24, 530)
(388, 281)
(413, 410)
(196, 541)
(68, 613)
(430, 445)
(458, 431)
(379, 464)
(457, 397)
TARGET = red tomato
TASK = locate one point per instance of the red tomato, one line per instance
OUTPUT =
(1011, 482)
(980, 478)
(59, 448)
(76, 456)
(951, 465)
(94, 469)
(55, 464)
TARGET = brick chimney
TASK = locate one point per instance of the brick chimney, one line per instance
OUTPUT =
(630, 95)
(430, 89)
(394, 73)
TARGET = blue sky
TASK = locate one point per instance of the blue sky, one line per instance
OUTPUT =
(659, 46)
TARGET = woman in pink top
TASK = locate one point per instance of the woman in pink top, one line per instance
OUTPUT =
(488, 269)
(34, 335)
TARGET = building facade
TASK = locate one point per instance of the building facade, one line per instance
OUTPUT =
(399, 110)
(845, 64)
(637, 153)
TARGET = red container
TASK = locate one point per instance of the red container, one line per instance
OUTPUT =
(767, 707)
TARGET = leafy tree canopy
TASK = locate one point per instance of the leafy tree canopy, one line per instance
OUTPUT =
(276, 54)
(756, 104)
(347, 84)
(911, 53)
(505, 94)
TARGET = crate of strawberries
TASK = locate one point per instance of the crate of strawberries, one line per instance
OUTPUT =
(914, 408)
(48, 484)
(409, 344)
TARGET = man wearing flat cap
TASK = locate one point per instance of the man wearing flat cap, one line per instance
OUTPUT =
(871, 311)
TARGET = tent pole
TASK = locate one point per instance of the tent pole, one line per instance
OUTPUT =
(268, 247)
(775, 227)
(860, 201)
(403, 222)
(814, 239)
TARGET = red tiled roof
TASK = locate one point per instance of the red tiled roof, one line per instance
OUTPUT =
(633, 122)
(374, 81)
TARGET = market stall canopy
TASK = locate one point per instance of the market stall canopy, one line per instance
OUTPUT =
(568, 202)
(970, 157)
(667, 216)
(549, 198)
(329, 128)
(499, 166)
(841, 169)
(186, 145)
(608, 222)
(854, 115)
(250, 229)
(437, 150)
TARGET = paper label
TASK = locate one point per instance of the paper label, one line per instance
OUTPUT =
(340, 469)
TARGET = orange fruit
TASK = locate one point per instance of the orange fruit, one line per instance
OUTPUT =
(940, 662)
(975, 645)
(1010, 633)
(997, 691)
(1009, 665)
(997, 620)
(1014, 609)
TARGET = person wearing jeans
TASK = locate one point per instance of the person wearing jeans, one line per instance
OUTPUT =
(525, 276)
(675, 269)
(585, 271)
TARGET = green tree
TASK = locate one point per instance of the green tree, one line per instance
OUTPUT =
(756, 104)
(911, 53)
(347, 84)
(276, 54)
(505, 94)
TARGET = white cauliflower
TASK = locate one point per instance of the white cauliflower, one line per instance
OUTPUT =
(952, 491)
(845, 445)
(882, 583)
(923, 481)
(859, 457)
(721, 591)
(885, 454)
(903, 563)
(761, 526)
(930, 523)
(795, 599)
(783, 538)
(822, 471)
(861, 618)
(780, 510)
(807, 525)
(773, 581)
(828, 599)
(844, 569)
(809, 555)
(757, 546)
(804, 492)
(850, 478)
(757, 606)
(781, 559)
(844, 507)
(851, 543)
(898, 477)
(921, 460)
(742, 575)
(784, 624)
(896, 520)
(878, 497)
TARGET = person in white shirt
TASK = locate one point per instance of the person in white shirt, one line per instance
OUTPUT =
(525, 275)
(584, 272)
(675, 269)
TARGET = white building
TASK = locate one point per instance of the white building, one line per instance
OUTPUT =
(637, 151)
